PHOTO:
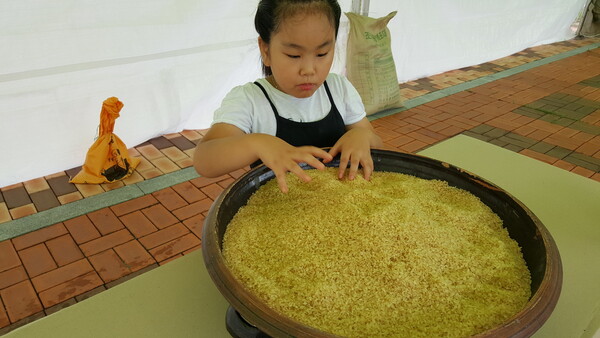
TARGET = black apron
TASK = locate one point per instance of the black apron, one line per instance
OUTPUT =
(322, 133)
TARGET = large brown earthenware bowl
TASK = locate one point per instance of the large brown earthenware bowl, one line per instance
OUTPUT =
(538, 247)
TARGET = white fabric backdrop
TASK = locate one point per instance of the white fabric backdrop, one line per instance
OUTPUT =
(172, 61)
(431, 36)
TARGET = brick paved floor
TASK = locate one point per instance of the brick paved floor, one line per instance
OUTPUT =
(549, 111)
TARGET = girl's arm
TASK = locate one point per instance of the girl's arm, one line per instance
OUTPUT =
(355, 147)
(226, 148)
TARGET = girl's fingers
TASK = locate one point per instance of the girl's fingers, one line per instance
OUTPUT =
(315, 163)
(333, 152)
(280, 175)
(301, 174)
(343, 166)
(368, 168)
(316, 153)
(353, 169)
(281, 182)
(322, 154)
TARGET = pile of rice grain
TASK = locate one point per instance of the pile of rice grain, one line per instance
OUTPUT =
(396, 256)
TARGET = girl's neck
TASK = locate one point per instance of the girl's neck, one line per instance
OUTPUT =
(272, 81)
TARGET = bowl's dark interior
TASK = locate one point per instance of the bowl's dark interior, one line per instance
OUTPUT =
(520, 223)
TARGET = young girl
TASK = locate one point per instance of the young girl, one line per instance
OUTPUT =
(299, 108)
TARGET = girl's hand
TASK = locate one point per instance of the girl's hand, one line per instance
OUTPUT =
(226, 148)
(355, 148)
(282, 157)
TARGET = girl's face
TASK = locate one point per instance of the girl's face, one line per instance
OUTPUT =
(300, 54)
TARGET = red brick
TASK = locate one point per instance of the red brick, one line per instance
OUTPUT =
(4, 321)
(524, 130)
(588, 148)
(21, 301)
(418, 135)
(564, 165)
(138, 224)
(225, 183)
(583, 171)
(400, 141)
(12, 276)
(545, 126)
(567, 132)
(563, 141)
(174, 247)
(105, 221)
(163, 236)
(483, 117)
(436, 127)
(462, 122)
(238, 173)
(391, 121)
(106, 242)
(82, 229)
(160, 216)
(133, 205)
(582, 136)
(61, 275)
(407, 128)
(453, 109)
(386, 133)
(90, 293)
(134, 255)
(189, 251)
(193, 209)
(170, 259)
(169, 199)
(190, 193)
(419, 121)
(195, 224)
(64, 250)
(8, 256)
(538, 156)
(212, 191)
(451, 131)
(70, 289)
(503, 124)
(39, 236)
(437, 103)
(202, 181)
(413, 146)
(539, 134)
(440, 116)
(37, 260)
(60, 306)
(109, 266)
(428, 115)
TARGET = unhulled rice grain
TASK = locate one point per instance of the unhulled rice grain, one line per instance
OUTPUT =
(396, 256)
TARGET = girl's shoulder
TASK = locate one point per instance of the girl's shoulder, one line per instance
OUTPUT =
(248, 89)
(338, 83)
(336, 79)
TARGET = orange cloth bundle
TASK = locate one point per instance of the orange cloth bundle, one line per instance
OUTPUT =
(107, 160)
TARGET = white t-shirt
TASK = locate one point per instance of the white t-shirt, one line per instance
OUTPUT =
(247, 108)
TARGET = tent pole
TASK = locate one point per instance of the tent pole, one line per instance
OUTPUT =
(360, 7)
(585, 13)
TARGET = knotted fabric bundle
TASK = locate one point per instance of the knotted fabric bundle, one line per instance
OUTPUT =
(107, 160)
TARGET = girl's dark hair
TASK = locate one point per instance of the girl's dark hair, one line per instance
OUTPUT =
(271, 13)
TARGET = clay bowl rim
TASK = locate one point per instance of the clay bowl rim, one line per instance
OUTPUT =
(522, 324)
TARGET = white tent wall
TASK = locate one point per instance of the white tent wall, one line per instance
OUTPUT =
(172, 61)
(431, 36)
